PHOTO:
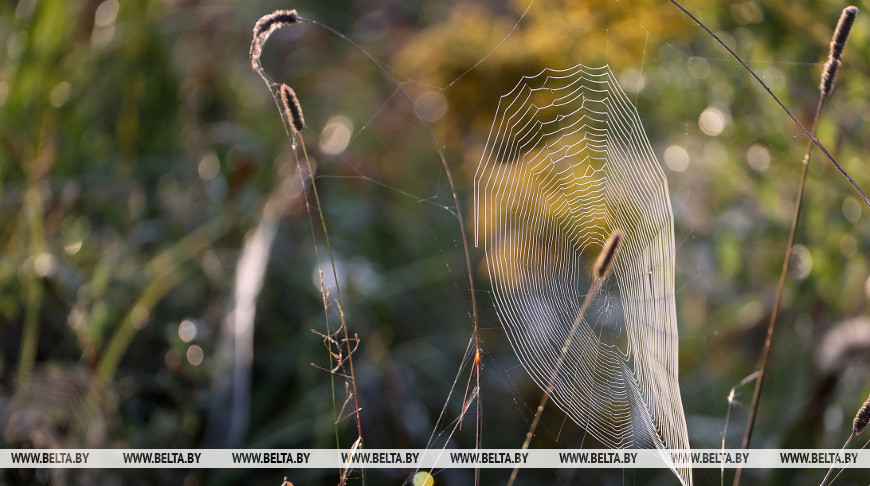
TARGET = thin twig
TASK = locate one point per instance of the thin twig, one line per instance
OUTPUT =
(359, 441)
(731, 395)
(859, 423)
(825, 479)
(843, 468)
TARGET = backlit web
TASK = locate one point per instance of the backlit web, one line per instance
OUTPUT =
(566, 163)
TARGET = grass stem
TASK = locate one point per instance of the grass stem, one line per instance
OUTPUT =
(593, 289)
(765, 350)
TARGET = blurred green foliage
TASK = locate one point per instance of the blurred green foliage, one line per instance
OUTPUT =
(137, 149)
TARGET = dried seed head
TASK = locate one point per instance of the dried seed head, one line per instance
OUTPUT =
(274, 20)
(292, 108)
(829, 77)
(264, 28)
(844, 26)
(608, 253)
(861, 418)
(835, 56)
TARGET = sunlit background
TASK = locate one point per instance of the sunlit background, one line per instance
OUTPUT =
(144, 169)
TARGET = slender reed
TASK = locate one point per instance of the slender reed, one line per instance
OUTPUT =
(343, 323)
(847, 18)
(731, 396)
(37, 170)
(602, 267)
(866, 443)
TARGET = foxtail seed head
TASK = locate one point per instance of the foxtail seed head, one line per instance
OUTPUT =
(608, 253)
(835, 56)
(264, 28)
(861, 418)
(292, 108)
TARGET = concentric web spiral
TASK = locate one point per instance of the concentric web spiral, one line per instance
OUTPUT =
(566, 163)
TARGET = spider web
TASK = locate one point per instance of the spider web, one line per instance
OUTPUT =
(619, 379)
(566, 163)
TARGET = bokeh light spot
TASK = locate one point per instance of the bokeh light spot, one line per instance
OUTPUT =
(676, 158)
(713, 120)
(187, 331)
(758, 158)
(423, 478)
(336, 135)
(194, 355)
(432, 105)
